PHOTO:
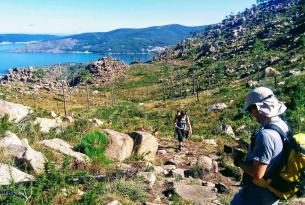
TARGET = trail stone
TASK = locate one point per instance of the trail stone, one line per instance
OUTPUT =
(145, 144)
(205, 163)
(195, 193)
(46, 124)
(15, 112)
(120, 145)
(65, 148)
(9, 174)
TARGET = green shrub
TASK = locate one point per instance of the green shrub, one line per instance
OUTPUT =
(39, 73)
(134, 190)
(4, 124)
(94, 144)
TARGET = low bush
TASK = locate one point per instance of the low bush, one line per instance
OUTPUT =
(93, 145)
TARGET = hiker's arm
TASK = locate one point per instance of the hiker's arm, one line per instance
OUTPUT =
(256, 169)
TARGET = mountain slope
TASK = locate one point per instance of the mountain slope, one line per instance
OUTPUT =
(118, 41)
(242, 46)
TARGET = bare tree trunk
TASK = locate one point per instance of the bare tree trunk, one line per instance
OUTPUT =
(197, 89)
(87, 91)
(194, 86)
(258, 80)
(64, 97)
(112, 96)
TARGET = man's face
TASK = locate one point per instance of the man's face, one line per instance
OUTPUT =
(254, 113)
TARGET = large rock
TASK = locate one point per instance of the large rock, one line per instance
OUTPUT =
(20, 149)
(120, 145)
(46, 124)
(34, 158)
(145, 144)
(9, 174)
(15, 112)
(12, 146)
(271, 72)
(63, 147)
(195, 193)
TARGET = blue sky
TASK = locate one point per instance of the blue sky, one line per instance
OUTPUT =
(78, 16)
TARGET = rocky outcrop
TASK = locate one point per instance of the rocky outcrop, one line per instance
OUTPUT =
(15, 112)
(9, 174)
(46, 124)
(64, 148)
(105, 70)
(145, 144)
(120, 145)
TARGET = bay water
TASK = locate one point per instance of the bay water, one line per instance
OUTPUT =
(10, 60)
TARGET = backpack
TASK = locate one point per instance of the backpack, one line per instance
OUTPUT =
(290, 179)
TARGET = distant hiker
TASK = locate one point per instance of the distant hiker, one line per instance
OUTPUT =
(182, 125)
(265, 152)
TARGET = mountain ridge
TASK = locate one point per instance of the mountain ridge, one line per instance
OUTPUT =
(125, 40)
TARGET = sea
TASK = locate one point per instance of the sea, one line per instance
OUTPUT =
(10, 60)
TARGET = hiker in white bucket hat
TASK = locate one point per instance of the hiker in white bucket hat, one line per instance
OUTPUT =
(265, 152)
(265, 101)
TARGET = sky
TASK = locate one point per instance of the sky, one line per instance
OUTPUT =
(79, 16)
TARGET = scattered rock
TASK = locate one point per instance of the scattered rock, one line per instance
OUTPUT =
(252, 83)
(178, 173)
(9, 174)
(115, 202)
(211, 142)
(120, 145)
(150, 177)
(145, 144)
(46, 124)
(53, 114)
(97, 122)
(68, 119)
(195, 193)
(15, 112)
(217, 107)
(63, 147)
(227, 129)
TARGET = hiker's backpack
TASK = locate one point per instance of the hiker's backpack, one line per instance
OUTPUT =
(290, 179)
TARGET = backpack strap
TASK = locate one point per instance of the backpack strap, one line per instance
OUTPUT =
(287, 143)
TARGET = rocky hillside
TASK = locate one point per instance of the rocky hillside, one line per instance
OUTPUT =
(102, 71)
(242, 46)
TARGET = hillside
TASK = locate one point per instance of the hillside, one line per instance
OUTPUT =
(242, 46)
(152, 39)
(137, 103)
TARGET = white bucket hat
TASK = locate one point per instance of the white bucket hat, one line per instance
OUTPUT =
(265, 101)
